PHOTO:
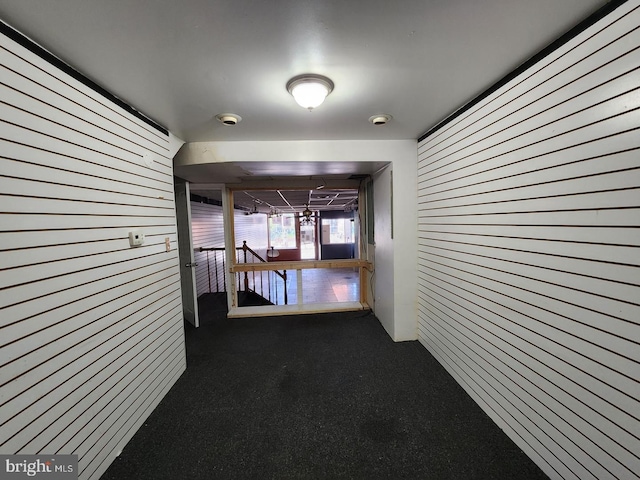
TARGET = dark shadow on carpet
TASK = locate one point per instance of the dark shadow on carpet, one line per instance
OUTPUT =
(327, 396)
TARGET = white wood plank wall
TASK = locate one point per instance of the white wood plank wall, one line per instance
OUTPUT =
(91, 330)
(529, 246)
(207, 227)
(253, 229)
(207, 230)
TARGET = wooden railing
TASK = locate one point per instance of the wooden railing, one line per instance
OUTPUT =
(255, 274)
(362, 265)
(261, 261)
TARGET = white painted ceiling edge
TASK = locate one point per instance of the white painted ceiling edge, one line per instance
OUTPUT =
(289, 162)
(274, 152)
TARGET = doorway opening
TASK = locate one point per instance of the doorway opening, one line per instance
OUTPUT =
(277, 250)
(308, 242)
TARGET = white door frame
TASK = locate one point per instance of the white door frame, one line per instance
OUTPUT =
(186, 253)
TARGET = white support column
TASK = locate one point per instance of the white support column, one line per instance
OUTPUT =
(229, 244)
(299, 285)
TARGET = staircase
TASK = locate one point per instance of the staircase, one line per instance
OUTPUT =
(253, 289)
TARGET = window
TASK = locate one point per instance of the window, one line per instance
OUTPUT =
(282, 231)
(338, 230)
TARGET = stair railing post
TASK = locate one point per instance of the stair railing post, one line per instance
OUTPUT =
(239, 275)
(208, 271)
(284, 278)
(246, 274)
(224, 271)
(215, 266)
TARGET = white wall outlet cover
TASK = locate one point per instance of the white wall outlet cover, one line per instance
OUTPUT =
(136, 238)
(148, 158)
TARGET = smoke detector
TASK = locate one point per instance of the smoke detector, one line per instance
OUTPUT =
(229, 119)
(380, 119)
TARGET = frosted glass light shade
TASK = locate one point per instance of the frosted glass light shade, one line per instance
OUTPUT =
(309, 91)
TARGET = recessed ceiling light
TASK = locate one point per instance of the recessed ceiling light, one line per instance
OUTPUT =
(229, 119)
(380, 119)
(310, 90)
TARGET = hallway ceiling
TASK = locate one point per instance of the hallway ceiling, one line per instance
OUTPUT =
(289, 201)
(183, 62)
(313, 183)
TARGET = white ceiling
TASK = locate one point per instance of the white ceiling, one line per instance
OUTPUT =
(183, 62)
(290, 201)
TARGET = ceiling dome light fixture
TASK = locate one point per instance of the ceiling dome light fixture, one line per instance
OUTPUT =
(309, 90)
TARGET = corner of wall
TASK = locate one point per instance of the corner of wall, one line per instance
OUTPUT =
(405, 245)
(396, 238)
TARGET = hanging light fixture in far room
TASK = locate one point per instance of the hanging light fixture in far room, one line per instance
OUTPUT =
(274, 212)
(253, 211)
(310, 90)
(305, 217)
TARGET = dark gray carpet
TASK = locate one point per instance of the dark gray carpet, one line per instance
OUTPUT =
(326, 396)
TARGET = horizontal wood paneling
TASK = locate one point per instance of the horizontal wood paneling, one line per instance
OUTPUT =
(207, 230)
(253, 229)
(89, 165)
(529, 252)
(91, 329)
